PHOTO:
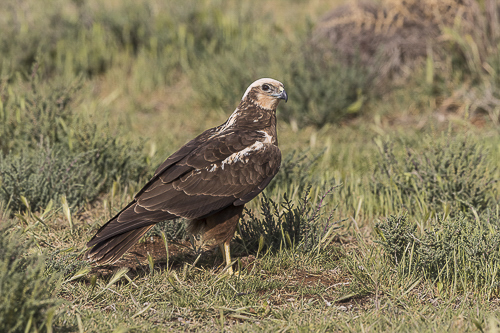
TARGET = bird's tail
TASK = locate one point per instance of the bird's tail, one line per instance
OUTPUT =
(110, 250)
(121, 232)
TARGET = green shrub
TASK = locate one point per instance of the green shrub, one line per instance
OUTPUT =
(48, 173)
(173, 229)
(27, 301)
(36, 113)
(324, 90)
(47, 150)
(296, 172)
(462, 250)
(447, 172)
(288, 225)
(396, 233)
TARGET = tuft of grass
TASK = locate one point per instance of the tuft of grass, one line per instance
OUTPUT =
(296, 173)
(65, 262)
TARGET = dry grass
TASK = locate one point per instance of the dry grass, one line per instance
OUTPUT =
(394, 37)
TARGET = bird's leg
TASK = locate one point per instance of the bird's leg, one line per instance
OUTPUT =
(225, 250)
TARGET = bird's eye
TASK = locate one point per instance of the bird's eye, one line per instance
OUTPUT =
(266, 87)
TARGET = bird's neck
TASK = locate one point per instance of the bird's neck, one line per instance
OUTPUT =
(253, 118)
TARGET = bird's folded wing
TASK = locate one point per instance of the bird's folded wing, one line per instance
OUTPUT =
(184, 151)
(228, 170)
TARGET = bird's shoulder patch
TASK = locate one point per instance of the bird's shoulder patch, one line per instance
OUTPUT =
(242, 155)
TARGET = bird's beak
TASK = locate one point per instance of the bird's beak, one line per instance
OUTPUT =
(282, 94)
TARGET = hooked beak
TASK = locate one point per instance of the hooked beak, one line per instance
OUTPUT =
(282, 94)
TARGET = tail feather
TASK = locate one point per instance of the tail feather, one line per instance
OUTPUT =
(120, 233)
(110, 250)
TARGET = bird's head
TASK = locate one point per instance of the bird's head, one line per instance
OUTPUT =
(266, 93)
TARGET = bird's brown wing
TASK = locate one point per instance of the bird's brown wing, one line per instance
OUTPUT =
(140, 218)
(184, 151)
(231, 169)
(228, 169)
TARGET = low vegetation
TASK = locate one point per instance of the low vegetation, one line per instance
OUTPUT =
(28, 293)
(384, 216)
(444, 174)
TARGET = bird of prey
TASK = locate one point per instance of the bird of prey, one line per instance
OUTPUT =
(207, 181)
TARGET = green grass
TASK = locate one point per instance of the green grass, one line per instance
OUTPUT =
(384, 216)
